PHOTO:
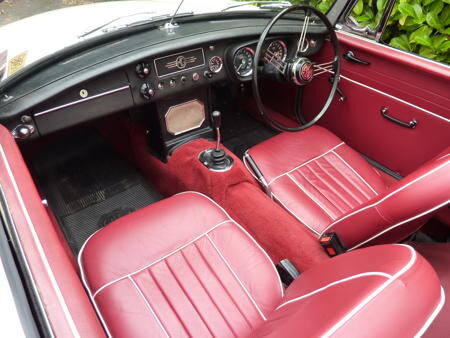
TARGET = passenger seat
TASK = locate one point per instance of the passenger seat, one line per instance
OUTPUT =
(182, 267)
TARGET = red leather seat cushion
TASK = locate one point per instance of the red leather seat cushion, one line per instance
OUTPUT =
(316, 176)
(181, 267)
(381, 291)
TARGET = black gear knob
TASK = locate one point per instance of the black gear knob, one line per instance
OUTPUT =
(216, 119)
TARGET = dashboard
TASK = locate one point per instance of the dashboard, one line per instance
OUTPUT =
(133, 72)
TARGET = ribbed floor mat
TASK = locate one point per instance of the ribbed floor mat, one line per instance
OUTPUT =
(88, 185)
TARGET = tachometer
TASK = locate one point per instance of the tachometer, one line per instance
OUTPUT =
(243, 61)
(277, 49)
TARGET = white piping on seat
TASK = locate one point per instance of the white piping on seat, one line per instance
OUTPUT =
(305, 163)
(433, 315)
(399, 224)
(148, 306)
(365, 274)
(40, 248)
(357, 308)
(245, 232)
(86, 286)
(129, 275)
(161, 258)
(355, 172)
(310, 196)
(236, 277)
(388, 195)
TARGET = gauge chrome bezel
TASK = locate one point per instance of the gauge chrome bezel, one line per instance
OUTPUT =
(215, 57)
(250, 71)
(283, 45)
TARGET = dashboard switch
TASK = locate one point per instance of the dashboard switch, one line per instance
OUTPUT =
(147, 91)
(207, 74)
(183, 79)
(195, 77)
(142, 70)
(161, 85)
(172, 82)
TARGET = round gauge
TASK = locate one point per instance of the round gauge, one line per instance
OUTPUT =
(278, 49)
(215, 64)
(243, 61)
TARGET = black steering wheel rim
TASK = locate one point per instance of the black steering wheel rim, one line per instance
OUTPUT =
(257, 57)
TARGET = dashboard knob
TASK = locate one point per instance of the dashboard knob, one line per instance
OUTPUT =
(195, 77)
(147, 91)
(183, 79)
(142, 70)
(207, 74)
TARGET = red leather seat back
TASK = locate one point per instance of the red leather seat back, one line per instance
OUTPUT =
(179, 267)
(401, 209)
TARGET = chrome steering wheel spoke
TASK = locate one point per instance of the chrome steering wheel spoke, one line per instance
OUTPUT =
(325, 67)
(302, 39)
(275, 61)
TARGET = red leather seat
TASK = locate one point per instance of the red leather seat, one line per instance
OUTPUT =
(183, 267)
(329, 187)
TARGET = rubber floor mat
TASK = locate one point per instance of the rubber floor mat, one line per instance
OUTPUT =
(88, 185)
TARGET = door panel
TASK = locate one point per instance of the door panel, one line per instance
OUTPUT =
(411, 87)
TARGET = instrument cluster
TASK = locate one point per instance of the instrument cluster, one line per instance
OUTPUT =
(243, 57)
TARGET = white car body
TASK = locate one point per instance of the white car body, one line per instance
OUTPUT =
(32, 38)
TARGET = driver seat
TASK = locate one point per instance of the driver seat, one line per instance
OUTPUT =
(329, 188)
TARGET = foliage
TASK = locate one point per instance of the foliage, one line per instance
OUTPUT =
(418, 26)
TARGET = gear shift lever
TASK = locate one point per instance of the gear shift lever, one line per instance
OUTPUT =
(216, 159)
(217, 122)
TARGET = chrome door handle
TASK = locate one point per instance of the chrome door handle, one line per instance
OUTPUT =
(350, 56)
(411, 124)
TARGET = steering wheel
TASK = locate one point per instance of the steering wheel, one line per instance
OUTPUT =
(298, 70)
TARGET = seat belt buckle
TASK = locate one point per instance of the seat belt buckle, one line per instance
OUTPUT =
(332, 244)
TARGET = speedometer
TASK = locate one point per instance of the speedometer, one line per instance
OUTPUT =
(243, 61)
(278, 49)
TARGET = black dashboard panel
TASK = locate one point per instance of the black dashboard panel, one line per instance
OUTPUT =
(96, 98)
(109, 71)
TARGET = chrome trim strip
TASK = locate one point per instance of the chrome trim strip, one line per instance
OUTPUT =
(89, 98)
(181, 70)
(10, 227)
(393, 97)
(40, 248)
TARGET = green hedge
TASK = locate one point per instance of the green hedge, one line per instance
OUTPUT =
(418, 26)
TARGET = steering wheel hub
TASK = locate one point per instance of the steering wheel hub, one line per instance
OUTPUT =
(302, 71)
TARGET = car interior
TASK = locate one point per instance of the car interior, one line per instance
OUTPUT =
(213, 180)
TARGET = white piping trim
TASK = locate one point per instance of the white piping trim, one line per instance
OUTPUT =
(237, 278)
(148, 306)
(89, 98)
(86, 286)
(160, 259)
(432, 316)
(310, 196)
(244, 159)
(305, 163)
(355, 172)
(245, 232)
(357, 308)
(40, 249)
(400, 223)
(295, 216)
(393, 97)
(388, 195)
(365, 274)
